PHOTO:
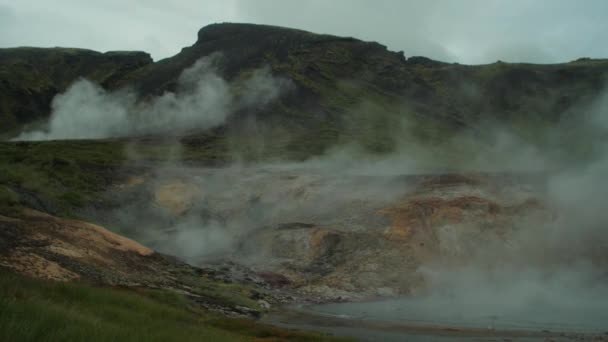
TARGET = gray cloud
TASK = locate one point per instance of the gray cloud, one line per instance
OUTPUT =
(467, 31)
(159, 28)
(6, 15)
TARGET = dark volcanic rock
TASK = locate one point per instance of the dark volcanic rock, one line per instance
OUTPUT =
(31, 77)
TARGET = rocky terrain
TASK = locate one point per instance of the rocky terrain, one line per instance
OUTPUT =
(280, 221)
(325, 169)
(46, 247)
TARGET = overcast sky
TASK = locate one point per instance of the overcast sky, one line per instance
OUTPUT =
(465, 31)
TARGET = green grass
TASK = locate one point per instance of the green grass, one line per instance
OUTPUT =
(69, 175)
(9, 201)
(66, 175)
(233, 294)
(35, 310)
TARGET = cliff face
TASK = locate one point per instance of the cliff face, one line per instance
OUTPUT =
(31, 77)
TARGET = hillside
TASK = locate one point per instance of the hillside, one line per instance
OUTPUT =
(266, 169)
(31, 77)
(345, 89)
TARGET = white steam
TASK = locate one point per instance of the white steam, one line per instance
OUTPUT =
(543, 274)
(203, 100)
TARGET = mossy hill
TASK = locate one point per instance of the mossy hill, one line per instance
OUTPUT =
(346, 89)
(31, 77)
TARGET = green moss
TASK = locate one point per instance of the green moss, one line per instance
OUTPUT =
(231, 294)
(73, 199)
(7, 196)
(64, 176)
(9, 201)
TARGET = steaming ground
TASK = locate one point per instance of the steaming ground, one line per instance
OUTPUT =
(517, 250)
(512, 251)
(521, 245)
(202, 100)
